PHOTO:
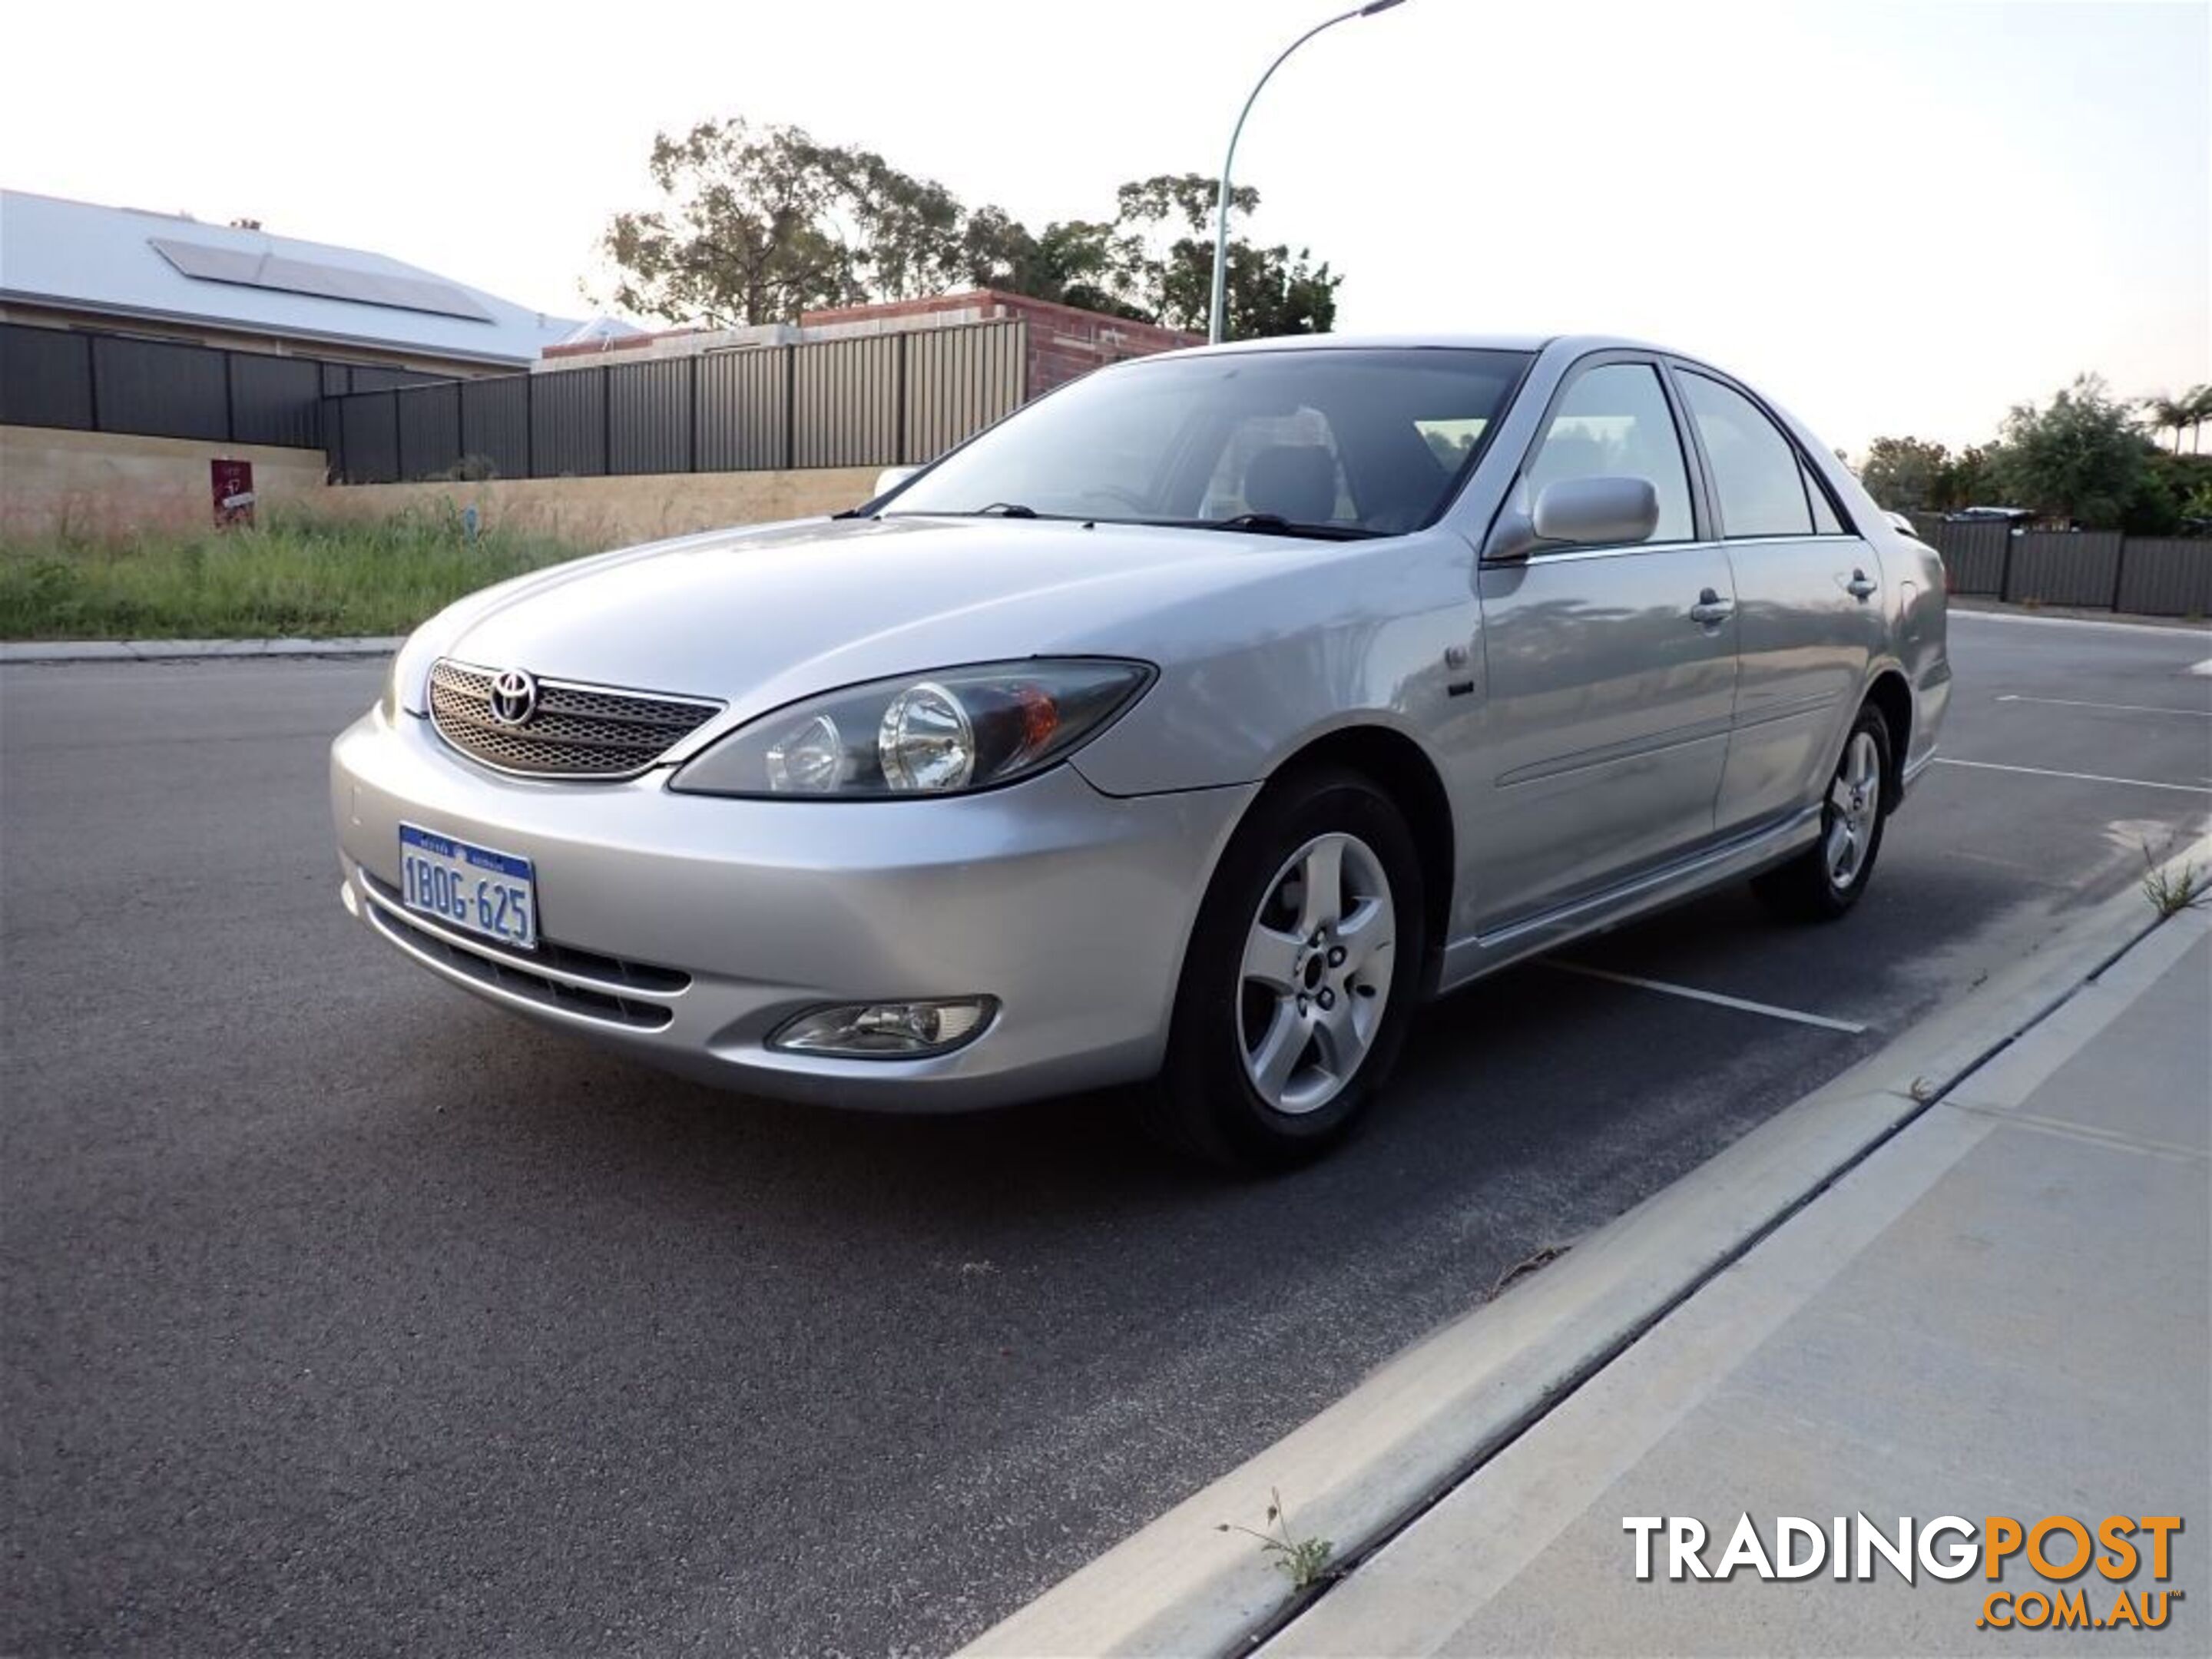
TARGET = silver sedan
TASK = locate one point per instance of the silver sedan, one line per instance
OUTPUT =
(1193, 724)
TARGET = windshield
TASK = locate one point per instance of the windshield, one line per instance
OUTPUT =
(1324, 441)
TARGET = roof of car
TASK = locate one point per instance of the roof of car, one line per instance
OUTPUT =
(1579, 342)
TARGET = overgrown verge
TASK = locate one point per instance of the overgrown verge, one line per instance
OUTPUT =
(295, 575)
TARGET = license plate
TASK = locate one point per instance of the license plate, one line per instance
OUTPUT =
(469, 887)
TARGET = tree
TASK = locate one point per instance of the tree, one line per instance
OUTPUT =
(759, 225)
(742, 235)
(2199, 405)
(1906, 475)
(2175, 414)
(1911, 475)
(1971, 479)
(904, 233)
(2082, 458)
(1075, 262)
(1268, 290)
(2175, 488)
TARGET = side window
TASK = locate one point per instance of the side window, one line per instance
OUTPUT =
(1614, 422)
(1825, 521)
(1756, 472)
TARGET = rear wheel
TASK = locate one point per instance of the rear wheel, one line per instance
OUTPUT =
(1825, 881)
(1300, 978)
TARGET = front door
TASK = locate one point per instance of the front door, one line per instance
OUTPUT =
(1610, 672)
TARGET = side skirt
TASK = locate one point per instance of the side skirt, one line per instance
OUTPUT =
(1470, 958)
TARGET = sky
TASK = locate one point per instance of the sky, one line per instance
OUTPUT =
(1893, 218)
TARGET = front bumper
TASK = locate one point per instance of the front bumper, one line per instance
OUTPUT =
(684, 929)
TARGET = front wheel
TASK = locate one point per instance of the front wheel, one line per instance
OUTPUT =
(1825, 879)
(1300, 979)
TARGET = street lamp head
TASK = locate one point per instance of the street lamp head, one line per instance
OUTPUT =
(1214, 320)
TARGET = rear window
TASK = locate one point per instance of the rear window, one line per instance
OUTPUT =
(1756, 472)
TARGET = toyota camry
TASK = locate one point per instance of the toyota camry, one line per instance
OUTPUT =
(1187, 728)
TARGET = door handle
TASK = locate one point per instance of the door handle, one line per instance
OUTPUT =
(1859, 586)
(1711, 610)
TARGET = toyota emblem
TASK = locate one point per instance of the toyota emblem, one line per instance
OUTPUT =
(514, 697)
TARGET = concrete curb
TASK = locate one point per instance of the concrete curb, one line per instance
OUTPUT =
(2121, 621)
(1361, 1470)
(189, 650)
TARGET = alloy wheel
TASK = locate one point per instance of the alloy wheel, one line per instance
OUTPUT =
(1316, 979)
(1854, 809)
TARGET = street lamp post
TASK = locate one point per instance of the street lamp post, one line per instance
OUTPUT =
(1214, 329)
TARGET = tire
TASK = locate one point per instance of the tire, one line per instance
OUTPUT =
(1825, 881)
(1275, 1054)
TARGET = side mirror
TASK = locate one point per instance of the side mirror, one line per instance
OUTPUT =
(891, 477)
(1583, 512)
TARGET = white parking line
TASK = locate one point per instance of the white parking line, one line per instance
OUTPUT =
(1851, 1027)
(2122, 708)
(2078, 777)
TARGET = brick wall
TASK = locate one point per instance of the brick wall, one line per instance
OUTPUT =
(1065, 341)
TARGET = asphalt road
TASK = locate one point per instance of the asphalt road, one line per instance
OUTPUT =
(344, 1313)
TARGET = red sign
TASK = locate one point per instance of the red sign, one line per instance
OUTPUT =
(231, 484)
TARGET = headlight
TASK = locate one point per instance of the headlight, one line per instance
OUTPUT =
(921, 734)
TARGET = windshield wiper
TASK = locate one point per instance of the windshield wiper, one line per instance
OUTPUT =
(990, 510)
(1274, 524)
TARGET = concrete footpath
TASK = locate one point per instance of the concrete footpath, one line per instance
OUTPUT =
(2001, 1310)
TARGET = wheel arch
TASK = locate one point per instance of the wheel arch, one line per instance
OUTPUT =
(1891, 694)
(1402, 770)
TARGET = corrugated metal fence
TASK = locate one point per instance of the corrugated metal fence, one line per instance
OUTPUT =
(2095, 569)
(90, 381)
(872, 400)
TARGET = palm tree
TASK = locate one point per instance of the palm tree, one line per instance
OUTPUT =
(2198, 403)
(2165, 413)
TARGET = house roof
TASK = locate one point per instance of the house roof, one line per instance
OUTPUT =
(129, 262)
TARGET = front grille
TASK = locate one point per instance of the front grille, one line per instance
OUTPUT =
(574, 731)
(491, 967)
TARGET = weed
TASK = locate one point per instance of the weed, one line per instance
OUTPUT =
(1303, 1561)
(1523, 1268)
(2171, 891)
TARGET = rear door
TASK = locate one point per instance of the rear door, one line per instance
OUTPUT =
(1808, 604)
(1610, 671)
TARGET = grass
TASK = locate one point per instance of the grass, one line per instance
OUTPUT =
(293, 576)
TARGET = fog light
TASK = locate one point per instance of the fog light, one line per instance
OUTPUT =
(886, 1030)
